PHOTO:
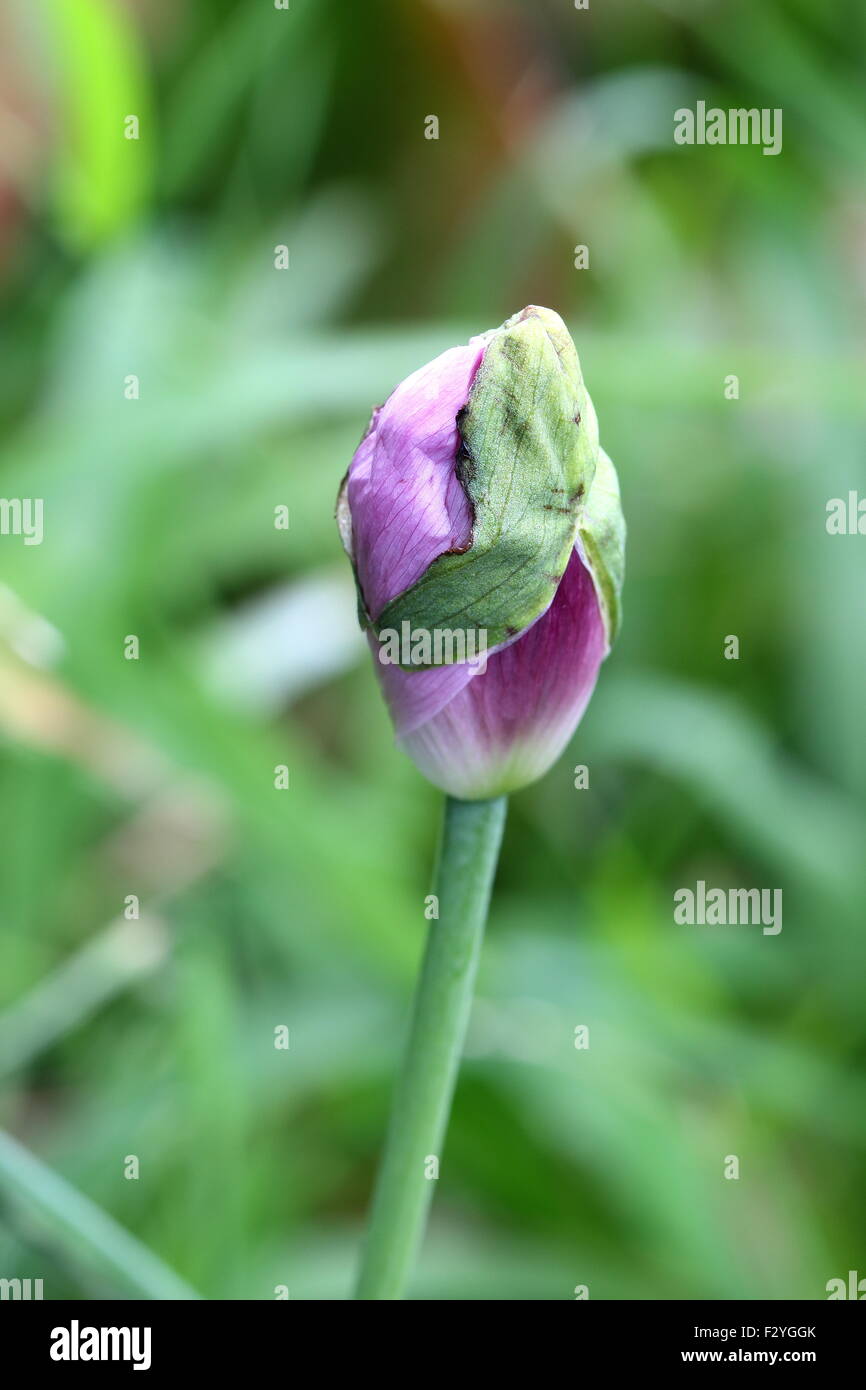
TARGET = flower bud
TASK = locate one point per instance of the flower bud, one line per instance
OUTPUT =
(484, 527)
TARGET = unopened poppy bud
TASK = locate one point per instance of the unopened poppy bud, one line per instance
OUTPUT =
(484, 526)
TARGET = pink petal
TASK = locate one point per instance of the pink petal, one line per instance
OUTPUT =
(406, 503)
(506, 726)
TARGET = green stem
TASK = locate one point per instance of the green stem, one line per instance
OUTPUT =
(468, 852)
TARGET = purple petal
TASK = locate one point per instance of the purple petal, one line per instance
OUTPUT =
(508, 724)
(406, 503)
(414, 697)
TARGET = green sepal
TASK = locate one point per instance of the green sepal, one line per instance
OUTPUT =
(527, 464)
(601, 535)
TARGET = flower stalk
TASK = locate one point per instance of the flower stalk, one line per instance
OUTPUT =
(468, 854)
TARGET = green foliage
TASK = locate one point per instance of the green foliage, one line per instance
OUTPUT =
(305, 908)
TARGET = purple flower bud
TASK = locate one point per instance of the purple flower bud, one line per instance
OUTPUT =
(486, 536)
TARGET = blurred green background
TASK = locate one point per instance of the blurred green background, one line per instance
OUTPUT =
(154, 1036)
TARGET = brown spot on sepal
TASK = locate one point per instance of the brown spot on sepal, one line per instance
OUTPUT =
(466, 470)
